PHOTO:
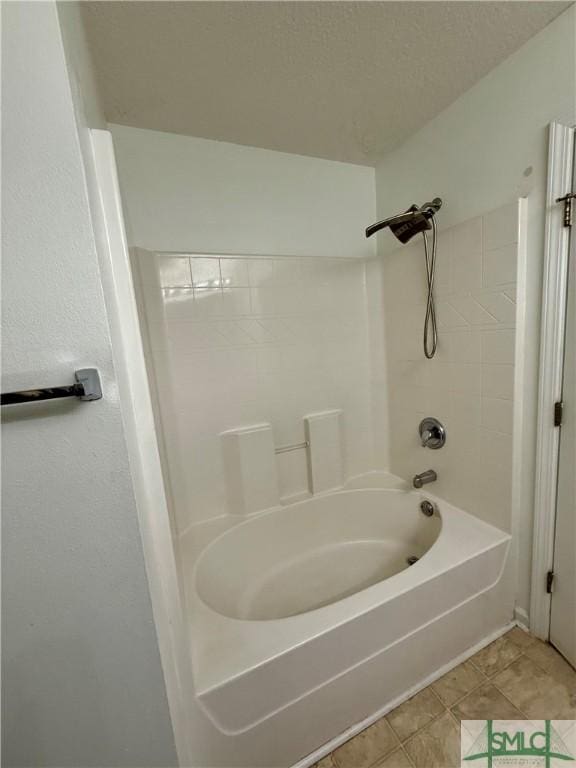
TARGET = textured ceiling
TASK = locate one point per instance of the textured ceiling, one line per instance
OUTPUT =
(342, 80)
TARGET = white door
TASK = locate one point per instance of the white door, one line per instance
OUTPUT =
(563, 610)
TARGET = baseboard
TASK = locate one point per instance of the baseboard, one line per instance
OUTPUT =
(522, 618)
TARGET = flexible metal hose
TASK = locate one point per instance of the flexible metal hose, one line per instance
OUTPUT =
(430, 327)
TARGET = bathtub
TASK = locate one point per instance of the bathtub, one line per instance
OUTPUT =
(329, 610)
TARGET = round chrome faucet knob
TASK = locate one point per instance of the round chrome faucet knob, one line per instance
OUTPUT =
(432, 433)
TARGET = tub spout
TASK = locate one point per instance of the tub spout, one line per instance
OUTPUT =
(425, 477)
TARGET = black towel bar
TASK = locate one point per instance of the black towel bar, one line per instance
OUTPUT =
(86, 387)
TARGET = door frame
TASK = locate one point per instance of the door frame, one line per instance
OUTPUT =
(141, 442)
(552, 339)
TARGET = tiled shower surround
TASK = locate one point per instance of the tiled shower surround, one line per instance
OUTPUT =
(469, 385)
(237, 341)
(240, 341)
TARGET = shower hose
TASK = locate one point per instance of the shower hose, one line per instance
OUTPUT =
(430, 328)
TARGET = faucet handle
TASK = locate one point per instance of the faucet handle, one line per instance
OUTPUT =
(425, 436)
(432, 433)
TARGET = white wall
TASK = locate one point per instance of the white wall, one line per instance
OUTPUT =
(188, 194)
(485, 150)
(82, 678)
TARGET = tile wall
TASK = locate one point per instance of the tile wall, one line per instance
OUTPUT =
(469, 384)
(236, 341)
(240, 341)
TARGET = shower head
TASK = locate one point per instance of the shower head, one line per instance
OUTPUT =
(405, 225)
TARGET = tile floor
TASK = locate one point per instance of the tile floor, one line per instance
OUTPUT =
(514, 678)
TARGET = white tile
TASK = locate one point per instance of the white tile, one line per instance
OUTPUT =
(179, 304)
(260, 271)
(495, 478)
(184, 337)
(443, 259)
(274, 300)
(500, 307)
(205, 272)
(234, 273)
(498, 346)
(208, 302)
(255, 330)
(466, 378)
(234, 334)
(501, 227)
(276, 329)
(465, 271)
(465, 408)
(472, 311)
(437, 401)
(448, 317)
(436, 374)
(467, 238)
(511, 291)
(498, 381)
(443, 351)
(499, 266)
(236, 302)
(497, 414)
(465, 346)
(174, 271)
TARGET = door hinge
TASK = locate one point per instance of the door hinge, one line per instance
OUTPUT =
(567, 200)
(549, 582)
(558, 411)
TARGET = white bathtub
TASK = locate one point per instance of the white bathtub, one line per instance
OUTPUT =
(312, 554)
(311, 614)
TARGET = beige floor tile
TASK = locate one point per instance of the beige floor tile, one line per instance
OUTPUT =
(326, 762)
(398, 759)
(437, 745)
(367, 747)
(457, 683)
(520, 638)
(415, 713)
(536, 693)
(486, 703)
(548, 658)
(496, 656)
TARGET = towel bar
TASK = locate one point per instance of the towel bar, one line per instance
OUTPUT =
(86, 387)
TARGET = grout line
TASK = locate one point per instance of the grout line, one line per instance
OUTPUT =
(502, 693)
(425, 727)
(407, 756)
(474, 688)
